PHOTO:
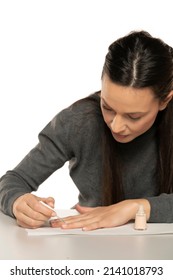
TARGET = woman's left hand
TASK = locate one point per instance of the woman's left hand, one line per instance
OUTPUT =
(102, 217)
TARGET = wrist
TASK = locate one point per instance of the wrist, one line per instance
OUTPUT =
(146, 206)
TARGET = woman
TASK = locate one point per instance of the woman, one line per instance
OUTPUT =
(118, 142)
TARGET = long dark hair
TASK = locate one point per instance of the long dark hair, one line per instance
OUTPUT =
(140, 61)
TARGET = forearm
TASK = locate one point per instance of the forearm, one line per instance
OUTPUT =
(11, 187)
(161, 208)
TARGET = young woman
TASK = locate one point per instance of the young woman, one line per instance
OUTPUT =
(118, 141)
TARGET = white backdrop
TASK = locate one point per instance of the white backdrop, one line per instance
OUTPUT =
(51, 54)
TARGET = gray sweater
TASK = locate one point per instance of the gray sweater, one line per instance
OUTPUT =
(74, 135)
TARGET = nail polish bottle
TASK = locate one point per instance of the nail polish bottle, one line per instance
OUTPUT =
(140, 219)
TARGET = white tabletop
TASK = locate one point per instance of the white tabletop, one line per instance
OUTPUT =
(15, 244)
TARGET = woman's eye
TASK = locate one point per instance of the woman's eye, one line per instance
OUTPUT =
(106, 108)
(134, 118)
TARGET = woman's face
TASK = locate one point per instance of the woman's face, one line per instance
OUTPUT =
(128, 112)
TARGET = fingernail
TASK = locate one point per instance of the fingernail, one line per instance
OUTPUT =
(64, 226)
(84, 229)
(53, 214)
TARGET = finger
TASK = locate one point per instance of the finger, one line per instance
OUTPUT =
(27, 222)
(35, 212)
(79, 222)
(74, 225)
(44, 209)
(56, 223)
(69, 222)
(82, 217)
(49, 200)
(92, 226)
(32, 200)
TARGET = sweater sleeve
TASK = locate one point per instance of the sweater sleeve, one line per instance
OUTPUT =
(49, 155)
(161, 208)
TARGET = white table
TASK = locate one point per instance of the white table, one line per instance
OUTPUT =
(15, 244)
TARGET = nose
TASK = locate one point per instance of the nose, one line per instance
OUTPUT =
(118, 125)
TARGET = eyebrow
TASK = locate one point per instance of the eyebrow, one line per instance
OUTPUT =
(130, 113)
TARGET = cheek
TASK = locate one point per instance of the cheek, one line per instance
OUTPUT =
(144, 125)
(107, 117)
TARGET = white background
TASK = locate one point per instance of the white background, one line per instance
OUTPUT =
(51, 54)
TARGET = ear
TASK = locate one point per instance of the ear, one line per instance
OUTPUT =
(164, 103)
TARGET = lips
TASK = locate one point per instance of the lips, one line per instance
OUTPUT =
(119, 136)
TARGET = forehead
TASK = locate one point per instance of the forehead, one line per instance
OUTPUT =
(126, 98)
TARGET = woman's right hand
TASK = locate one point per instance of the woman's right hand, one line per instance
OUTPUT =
(30, 213)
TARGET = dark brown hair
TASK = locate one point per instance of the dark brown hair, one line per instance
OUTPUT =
(138, 60)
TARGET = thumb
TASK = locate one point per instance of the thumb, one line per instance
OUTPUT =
(83, 209)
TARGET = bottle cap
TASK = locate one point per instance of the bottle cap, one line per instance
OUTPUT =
(141, 210)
